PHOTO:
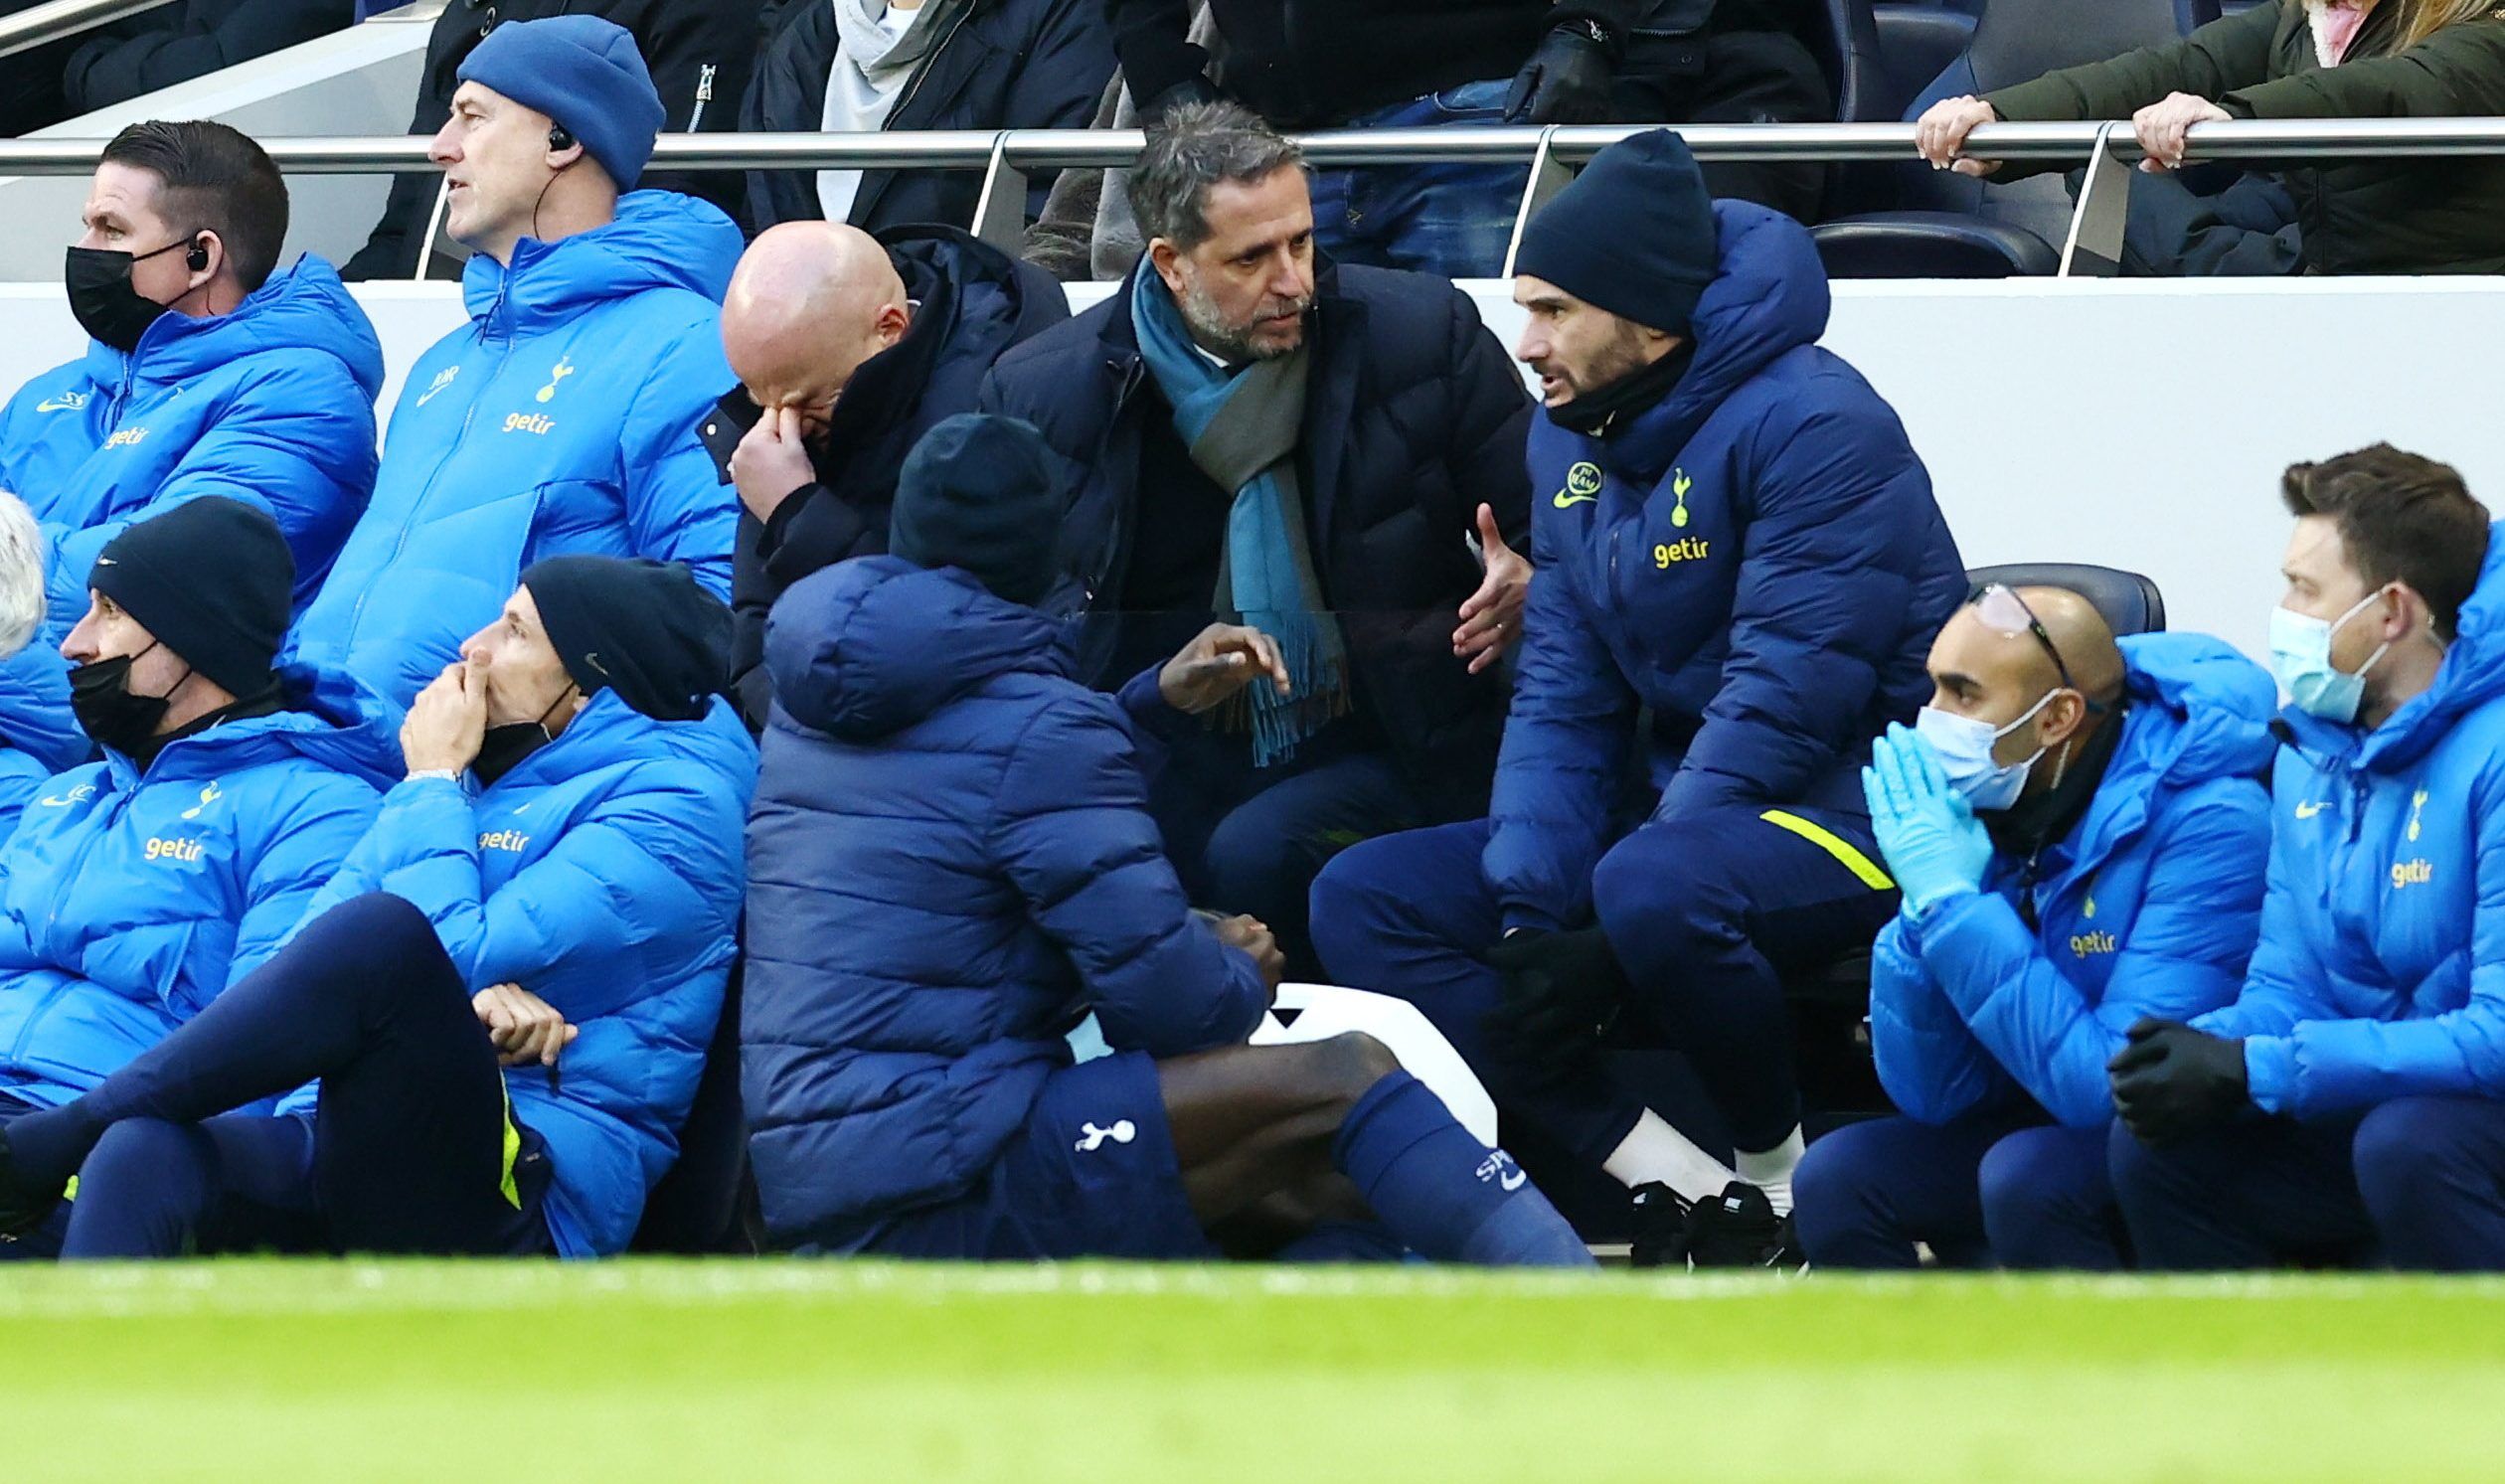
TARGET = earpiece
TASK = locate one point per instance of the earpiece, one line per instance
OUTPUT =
(559, 138)
(197, 257)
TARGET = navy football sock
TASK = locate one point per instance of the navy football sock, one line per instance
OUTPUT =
(1443, 1192)
(1344, 1242)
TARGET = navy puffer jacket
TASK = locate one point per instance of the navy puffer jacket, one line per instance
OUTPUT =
(951, 862)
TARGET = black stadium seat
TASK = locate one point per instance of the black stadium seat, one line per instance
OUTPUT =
(2130, 604)
(1946, 224)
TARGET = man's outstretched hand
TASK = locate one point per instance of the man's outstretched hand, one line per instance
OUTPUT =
(1224, 659)
(1491, 618)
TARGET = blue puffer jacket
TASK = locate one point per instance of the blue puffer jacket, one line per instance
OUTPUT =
(272, 404)
(1758, 558)
(2149, 906)
(951, 863)
(38, 734)
(2381, 972)
(604, 875)
(128, 901)
(562, 419)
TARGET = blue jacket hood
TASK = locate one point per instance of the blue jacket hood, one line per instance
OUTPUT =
(2216, 705)
(871, 646)
(1769, 296)
(304, 307)
(336, 723)
(660, 239)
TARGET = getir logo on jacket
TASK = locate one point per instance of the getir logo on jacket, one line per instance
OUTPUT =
(531, 423)
(125, 437)
(511, 840)
(173, 850)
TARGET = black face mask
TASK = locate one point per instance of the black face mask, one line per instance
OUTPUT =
(100, 295)
(1598, 413)
(502, 749)
(111, 714)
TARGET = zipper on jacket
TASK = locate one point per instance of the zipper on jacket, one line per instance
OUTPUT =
(703, 96)
(863, 197)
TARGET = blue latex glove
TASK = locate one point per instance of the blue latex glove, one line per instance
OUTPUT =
(1935, 845)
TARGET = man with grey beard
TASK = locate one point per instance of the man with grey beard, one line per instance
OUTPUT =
(1331, 455)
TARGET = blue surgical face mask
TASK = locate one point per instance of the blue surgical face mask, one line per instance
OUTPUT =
(2301, 655)
(1964, 746)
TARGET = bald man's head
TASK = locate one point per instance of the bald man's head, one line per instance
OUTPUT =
(1988, 665)
(811, 302)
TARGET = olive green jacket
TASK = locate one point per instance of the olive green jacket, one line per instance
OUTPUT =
(2433, 214)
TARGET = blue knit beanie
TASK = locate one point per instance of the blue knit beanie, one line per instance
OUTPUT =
(584, 74)
(1632, 234)
(981, 493)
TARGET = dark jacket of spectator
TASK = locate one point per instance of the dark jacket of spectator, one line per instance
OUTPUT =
(973, 304)
(1415, 418)
(177, 43)
(701, 54)
(1756, 561)
(2401, 215)
(950, 861)
(1006, 64)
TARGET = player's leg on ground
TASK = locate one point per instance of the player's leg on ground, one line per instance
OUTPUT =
(1706, 914)
(1248, 1122)
(2048, 1203)
(2253, 1194)
(1867, 1193)
(153, 1189)
(1411, 915)
(2432, 1171)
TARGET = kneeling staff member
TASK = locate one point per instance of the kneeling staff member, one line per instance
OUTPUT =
(555, 888)
(956, 863)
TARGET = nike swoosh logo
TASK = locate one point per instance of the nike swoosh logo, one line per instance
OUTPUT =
(428, 395)
(1564, 499)
(2308, 811)
(55, 405)
(1514, 1180)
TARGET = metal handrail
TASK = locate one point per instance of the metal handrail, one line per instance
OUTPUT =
(58, 20)
(2275, 140)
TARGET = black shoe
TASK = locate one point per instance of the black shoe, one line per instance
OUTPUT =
(1739, 1229)
(21, 1210)
(1661, 1228)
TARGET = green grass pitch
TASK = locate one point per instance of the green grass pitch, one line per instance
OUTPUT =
(860, 1371)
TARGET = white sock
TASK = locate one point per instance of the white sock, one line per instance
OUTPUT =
(1772, 1171)
(1656, 1152)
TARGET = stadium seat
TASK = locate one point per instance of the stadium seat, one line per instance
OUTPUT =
(706, 1203)
(2128, 602)
(1848, 52)
(1917, 43)
(1942, 225)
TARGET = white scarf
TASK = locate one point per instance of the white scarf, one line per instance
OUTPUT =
(875, 55)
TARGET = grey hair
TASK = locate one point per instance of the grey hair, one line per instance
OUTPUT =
(22, 553)
(1197, 146)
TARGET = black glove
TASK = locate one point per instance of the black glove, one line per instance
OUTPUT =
(1567, 81)
(1562, 992)
(2172, 1081)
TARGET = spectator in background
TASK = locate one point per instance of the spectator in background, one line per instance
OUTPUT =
(2393, 58)
(701, 54)
(555, 888)
(210, 370)
(1327, 453)
(1437, 64)
(848, 349)
(2346, 1105)
(564, 418)
(867, 65)
(135, 888)
(21, 619)
(1740, 568)
(189, 39)
(2078, 829)
(953, 864)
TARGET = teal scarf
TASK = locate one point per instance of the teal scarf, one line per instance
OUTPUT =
(1242, 427)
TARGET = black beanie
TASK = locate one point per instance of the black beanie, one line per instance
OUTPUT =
(1632, 234)
(979, 492)
(642, 628)
(212, 578)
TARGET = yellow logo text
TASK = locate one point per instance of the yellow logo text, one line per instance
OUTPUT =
(1583, 483)
(125, 437)
(1693, 548)
(511, 840)
(173, 850)
(532, 422)
(2411, 874)
(2085, 943)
